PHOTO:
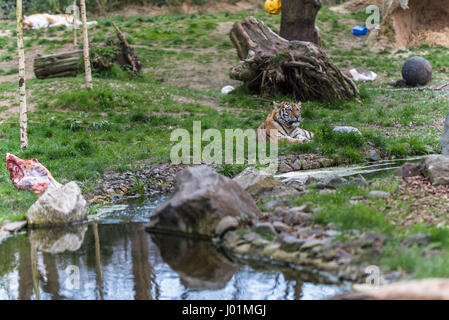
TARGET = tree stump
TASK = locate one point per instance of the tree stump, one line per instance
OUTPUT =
(57, 65)
(272, 65)
(123, 54)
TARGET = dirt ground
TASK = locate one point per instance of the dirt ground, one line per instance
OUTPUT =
(210, 7)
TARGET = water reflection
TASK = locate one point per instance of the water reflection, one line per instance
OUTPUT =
(122, 261)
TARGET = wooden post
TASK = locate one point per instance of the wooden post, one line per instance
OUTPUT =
(87, 66)
(22, 85)
(75, 19)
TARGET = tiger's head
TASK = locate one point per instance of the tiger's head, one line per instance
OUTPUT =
(289, 113)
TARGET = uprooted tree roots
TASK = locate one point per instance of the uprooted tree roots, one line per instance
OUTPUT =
(272, 65)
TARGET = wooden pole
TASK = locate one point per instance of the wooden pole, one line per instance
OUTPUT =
(22, 85)
(75, 19)
(87, 66)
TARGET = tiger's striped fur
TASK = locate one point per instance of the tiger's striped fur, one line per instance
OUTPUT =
(285, 119)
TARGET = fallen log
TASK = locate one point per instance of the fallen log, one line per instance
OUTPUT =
(57, 65)
(271, 65)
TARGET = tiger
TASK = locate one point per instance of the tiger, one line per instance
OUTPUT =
(43, 20)
(285, 119)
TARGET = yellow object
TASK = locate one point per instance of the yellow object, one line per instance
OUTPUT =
(273, 6)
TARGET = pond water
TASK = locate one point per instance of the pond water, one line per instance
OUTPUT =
(113, 257)
(368, 170)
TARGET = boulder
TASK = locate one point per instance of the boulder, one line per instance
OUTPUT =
(445, 139)
(58, 206)
(436, 168)
(202, 198)
(417, 70)
(256, 182)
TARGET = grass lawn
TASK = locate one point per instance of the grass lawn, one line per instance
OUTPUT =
(78, 134)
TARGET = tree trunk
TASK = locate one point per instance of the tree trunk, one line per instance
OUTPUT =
(75, 19)
(87, 68)
(57, 65)
(22, 85)
(272, 65)
(101, 8)
(298, 20)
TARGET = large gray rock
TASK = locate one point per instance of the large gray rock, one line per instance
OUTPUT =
(436, 168)
(417, 70)
(256, 182)
(202, 198)
(445, 139)
(58, 206)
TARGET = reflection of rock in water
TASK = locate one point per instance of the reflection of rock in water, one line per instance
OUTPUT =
(198, 263)
(58, 239)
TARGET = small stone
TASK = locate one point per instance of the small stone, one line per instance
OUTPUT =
(331, 182)
(409, 170)
(309, 244)
(419, 239)
(273, 204)
(332, 233)
(377, 194)
(373, 155)
(14, 226)
(284, 168)
(296, 165)
(346, 129)
(281, 227)
(250, 236)
(226, 224)
(327, 162)
(265, 228)
(296, 216)
(370, 238)
(360, 180)
(291, 244)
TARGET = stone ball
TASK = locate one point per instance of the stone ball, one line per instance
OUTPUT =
(417, 70)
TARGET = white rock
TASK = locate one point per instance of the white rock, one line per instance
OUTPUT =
(346, 129)
(58, 206)
(14, 226)
(227, 89)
